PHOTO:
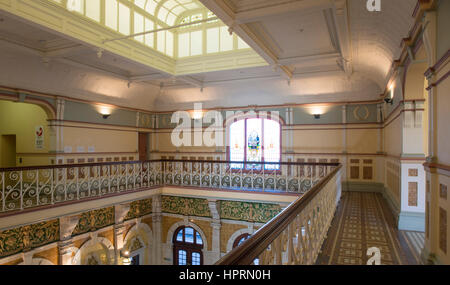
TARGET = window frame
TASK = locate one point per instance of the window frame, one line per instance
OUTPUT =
(190, 248)
(237, 118)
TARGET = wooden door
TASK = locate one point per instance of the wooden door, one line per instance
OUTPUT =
(143, 146)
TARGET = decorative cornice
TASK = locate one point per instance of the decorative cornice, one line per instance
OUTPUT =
(432, 70)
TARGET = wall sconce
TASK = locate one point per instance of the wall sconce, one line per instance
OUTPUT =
(197, 114)
(316, 116)
(125, 255)
(390, 98)
(105, 112)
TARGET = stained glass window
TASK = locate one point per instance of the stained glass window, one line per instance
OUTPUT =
(255, 140)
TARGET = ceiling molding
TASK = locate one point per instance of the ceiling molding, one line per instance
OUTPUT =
(301, 7)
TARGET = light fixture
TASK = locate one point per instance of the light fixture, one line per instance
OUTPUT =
(389, 99)
(197, 114)
(125, 255)
(105, 111)
(316, 116)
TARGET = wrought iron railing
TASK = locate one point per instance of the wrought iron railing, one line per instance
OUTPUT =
(29, 187)
(295, 236)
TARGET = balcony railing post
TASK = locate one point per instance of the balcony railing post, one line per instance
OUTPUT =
(3, 190)
(37, 187)
(78, 183)
(264, 178)
(21, 189)
(241, 177)
(286, 178)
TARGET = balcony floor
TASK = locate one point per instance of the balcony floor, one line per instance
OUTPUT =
(363, 220)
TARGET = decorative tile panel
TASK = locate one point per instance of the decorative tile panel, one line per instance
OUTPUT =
(246, 211)
(185, 206)
(94, 220)
(139, 209)
(443, 191)
(412, 194)
(443, 230)
(28, 237)
(367, 172)
(413, 172)
(354, 172)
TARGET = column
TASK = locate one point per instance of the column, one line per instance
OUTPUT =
(216, 225)
(65, 246)
(157, 230)
(120, 212)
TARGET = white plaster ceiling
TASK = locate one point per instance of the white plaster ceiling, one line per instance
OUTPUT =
(376, 36)
(304, 39)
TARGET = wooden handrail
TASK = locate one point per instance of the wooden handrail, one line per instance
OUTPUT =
(250, 249)
(59, 166)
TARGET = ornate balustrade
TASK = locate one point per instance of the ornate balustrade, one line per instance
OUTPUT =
(29, 187)
(294, 236)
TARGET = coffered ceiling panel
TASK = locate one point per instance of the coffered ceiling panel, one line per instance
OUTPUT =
(293, 35)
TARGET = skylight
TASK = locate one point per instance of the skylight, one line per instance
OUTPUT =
(130, 17)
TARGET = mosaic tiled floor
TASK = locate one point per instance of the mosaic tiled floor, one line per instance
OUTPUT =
(415, 242)
(363, 220)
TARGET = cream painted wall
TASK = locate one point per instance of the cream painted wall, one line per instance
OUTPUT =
(80, 138)
(362, 141)
(393, 137)
(317, 141)
(414, 83)
(443, 118)
(21, 119)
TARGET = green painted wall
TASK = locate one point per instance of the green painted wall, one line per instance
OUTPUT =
(82, 112)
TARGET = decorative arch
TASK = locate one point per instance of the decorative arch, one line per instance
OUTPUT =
(48, 108)
(41, 261)
(177, 225)
(133, 234)
(237, 234)
(104, 242)
(134, 231)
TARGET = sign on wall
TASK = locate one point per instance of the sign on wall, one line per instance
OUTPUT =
(39, 133)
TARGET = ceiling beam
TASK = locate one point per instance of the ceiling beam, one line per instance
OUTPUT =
(226, 14)
(62, 52)
(344, 37)
(305, 59)
(301, 7)
(146, 77)
(191, 80)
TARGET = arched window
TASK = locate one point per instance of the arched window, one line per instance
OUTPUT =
(187, 247)
(255, 140)
(239, 240)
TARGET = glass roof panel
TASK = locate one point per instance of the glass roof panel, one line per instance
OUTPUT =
(171, 19)
(170, 4)
(162, 14)
(178, 10)
(151, 6)
(140, 3)
(191, 6)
